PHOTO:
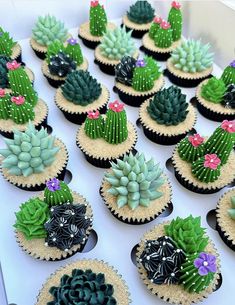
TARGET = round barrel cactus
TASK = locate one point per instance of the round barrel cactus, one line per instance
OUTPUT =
(141, 12)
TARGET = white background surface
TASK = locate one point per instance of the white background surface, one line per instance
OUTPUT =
(24, 275)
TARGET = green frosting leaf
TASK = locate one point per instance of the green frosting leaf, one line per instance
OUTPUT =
(176, 20)
(205, 174)
(228, 76)
(6, 43)
(231, 212)
(213, 90)
(31, 218)
(3, 71)
(163, 38)
(58, 196)
(141, 12)
(98, 20)
(5, 106)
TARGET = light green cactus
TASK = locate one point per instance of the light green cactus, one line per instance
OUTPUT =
(135, 181)
(231, 212)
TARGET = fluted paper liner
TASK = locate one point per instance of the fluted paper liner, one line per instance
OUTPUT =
(30, 74)
(16, 51)
(175, 294)
(84, 31)
(121, 293)
(136, 26)
(149, 44)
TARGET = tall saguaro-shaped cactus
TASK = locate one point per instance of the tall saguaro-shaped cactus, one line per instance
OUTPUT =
(175, 19)
(98, 19)
(163, 37)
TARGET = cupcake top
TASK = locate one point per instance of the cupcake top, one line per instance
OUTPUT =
(141, 12)
(97, 19)
(48, 29)
(228, 75)
(7, 43)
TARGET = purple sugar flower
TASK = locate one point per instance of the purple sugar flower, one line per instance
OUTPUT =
(205, 263)
(232, 64)
(53, 184)
(140, 63)
(72, 41)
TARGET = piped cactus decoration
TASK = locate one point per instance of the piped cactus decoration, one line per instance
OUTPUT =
(192, 56)
(4, 83)
(176, 20)
(153, 66)
(94, 125)
(57, 192)
(231, 211)
(141, 12)
(53, 49)
(74, 51)
(48, 29)
(228, 75)
(81, 88)
(5, 105)
(20, 83)
(98, 19)
(61, 64)
(6, 43)
(229, 97)
(163, 37)
(191, 148)
(213, 90)
(142, 78)
(207, 168)
(29, 152)
(155, 27)
(134, 181)
(21, 111)
(124, 70)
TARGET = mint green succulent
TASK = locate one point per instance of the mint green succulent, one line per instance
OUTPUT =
(192, 56)
(117, 43)
(135, 181)
(48, 29)
(29, 152)
(231, 212)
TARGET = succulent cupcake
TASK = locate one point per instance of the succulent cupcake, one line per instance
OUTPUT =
(91, 32)
(190, 63)
(215, 98)
(137, 80)
(115, 44)
(178, 262)
(8, 47)
(206, 165)
(167, 117)
(54, 225)
(225, 218)
(135, 190)
(32, 157)
(103, 139)
(99, 283)
(20, 104)
(47, 30)
(80, 94)
(163, 37)
(61, 60)
(139, 17)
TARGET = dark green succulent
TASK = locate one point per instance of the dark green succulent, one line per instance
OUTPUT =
(3, 71)
(81, 88)
(229, 97)
(168, 106)
(141, 12)
(124, 70)
(61, 64)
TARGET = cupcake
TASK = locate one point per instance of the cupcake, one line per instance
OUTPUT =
(20, 104)
(114, 45)
(189, 64)
(54, 225)
(91, 32)
(32, 157)
(215, 97)
(206, 166)
(103, 139)
(46, 30)
(135, 190)
(61, 60)
(225, 218)
(163, 37)
(8, 47)
(137, 80)
(80, 94)
(98, 282)
(178, 262)
(167, 117)
(138, 19)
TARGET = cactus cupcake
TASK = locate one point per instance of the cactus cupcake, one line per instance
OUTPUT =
(61, 60)
(167, 117)
(206, 165)
(80, 94)
(32, 157)
(91, 32)
(103, 139)
(20, 104)
(54, 225)
(137, 80)
(46, 30)
(190, 63)
(138, 18)
(8, 47)
(135, 190)
(178, 262)
(114, 45)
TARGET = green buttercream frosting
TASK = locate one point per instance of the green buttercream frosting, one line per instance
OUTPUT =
(74, 51)
(142, 79)
(5, 105)
(31, 218)
(94, 127)
(83, 288)
(205, 174)
(62, 194)
(23, 113)
(163, 38)
(213, 90)
(176, 20)
(29, 152)
(153, 29)
(231, 212)
(187, 234)
(134, 181)
(228, 76)
(53, 49)
(6, 43)
(192, 56)
(188, 152)
(168, 106)
(141, 12)
(117, 43)
(3, 71)
(98, 20)
(81, 88)
(153, 66)
(48, 29)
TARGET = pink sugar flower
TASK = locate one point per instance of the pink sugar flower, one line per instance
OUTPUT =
(176, 5)
(2, 92)
(212, 161)
(196, 140)
(229, 126)
(93, 114)
(165, 25)
(18, 100)
(94, 3)
(13, 65)
(116, 106)
(157, 20)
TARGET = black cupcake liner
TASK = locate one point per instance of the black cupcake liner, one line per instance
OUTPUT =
(40, 55)
(54, 83)
(89, 43)
(183, 82)
(108, 69)
(223, 237)
(19, 58)
(156, 55)
(135, 33)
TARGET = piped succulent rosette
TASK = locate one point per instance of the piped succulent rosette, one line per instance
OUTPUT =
(4, 83)
(191, 148)
(213, 90)
(228, 76)
(176, 20)
(231, 211)
(9, 47)
(229, 97)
